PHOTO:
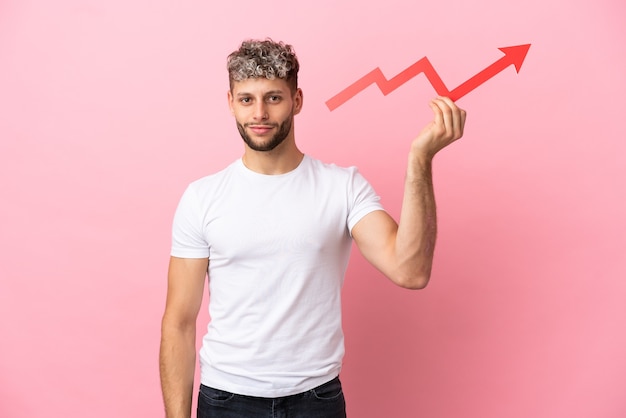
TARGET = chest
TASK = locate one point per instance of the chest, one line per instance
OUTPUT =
(259, 222)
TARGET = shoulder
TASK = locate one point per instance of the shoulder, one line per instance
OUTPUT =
(216, 177)
(211, 184)
(331, 169)
(349, 176)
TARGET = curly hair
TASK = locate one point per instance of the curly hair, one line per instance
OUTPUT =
(267, 58)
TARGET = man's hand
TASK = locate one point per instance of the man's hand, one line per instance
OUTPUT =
(446, 127)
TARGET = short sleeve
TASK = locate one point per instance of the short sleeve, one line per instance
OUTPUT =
(363, 199)
(188, 239)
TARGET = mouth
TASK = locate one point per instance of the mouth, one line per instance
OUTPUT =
(260, 129)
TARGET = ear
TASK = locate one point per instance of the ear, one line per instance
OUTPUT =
(230, 102)
(298, 100)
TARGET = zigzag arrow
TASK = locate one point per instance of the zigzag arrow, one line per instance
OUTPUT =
(513, 55)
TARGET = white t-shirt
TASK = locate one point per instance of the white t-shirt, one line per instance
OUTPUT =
(278, 248)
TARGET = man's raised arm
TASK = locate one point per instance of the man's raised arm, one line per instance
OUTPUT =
(404, 251)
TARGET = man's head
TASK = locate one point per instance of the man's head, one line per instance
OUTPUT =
(264, 94)
(264, 59)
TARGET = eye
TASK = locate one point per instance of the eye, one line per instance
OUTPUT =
(245, 100)
(274, 99)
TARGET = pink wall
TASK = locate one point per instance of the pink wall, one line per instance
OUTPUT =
(108, 109)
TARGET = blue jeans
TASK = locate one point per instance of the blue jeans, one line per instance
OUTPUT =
(324, 401)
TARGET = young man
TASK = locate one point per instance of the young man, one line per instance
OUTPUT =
(273, 230)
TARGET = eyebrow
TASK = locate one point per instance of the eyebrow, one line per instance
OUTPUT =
(268, 93)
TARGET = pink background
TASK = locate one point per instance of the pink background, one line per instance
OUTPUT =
(108, 109)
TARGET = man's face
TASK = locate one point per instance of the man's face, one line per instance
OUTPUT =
(264, 111)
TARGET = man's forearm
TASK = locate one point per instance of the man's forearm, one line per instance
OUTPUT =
(417, 229)
(177, 366)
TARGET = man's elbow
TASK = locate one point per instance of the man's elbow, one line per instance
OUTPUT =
(414, 281)
(175, 322)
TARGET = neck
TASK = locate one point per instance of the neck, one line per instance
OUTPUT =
(283, 159)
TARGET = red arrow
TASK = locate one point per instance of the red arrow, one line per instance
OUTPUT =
(513, 55)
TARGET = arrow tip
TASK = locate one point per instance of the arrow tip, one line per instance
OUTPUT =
(516, 54)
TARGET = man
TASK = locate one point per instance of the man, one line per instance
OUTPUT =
(273, 230)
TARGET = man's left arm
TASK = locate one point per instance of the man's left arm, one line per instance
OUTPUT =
(404, 251)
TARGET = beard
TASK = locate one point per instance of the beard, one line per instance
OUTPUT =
(283, 131)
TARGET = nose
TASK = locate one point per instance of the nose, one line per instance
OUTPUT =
(260, 111)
